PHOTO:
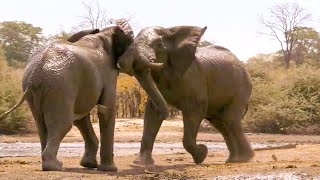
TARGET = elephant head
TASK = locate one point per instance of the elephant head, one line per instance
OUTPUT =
(155, 48)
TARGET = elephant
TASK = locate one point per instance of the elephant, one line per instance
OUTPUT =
(77, 36)
(202, 82)
(63, 81)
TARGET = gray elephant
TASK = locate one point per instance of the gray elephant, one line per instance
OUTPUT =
(63, 81)
(204, 83)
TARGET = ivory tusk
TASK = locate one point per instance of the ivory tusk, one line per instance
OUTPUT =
(118, 65)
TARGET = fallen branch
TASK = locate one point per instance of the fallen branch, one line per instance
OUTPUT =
(288, 146)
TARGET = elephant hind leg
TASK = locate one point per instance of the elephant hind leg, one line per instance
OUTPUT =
(229, 125)
(58, 119)
(40, 124)
(42, 131)
(89, 158)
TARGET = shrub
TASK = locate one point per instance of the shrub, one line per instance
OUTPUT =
(10, 94)
(285, 102)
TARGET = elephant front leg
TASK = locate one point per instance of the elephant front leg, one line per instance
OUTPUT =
(107, 114)
(191, 123)
(151, 126)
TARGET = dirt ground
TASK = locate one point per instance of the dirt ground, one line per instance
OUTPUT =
(298, 160)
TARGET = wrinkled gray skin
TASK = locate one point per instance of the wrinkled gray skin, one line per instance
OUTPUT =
(204, 83)
(64, 81)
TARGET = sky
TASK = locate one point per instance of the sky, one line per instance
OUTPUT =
(231, 23)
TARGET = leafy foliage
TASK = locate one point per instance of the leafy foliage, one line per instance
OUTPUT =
(284, 102)
(62, 35)
(131, 98)
(10, 94)
(19, 39)
(204, 43)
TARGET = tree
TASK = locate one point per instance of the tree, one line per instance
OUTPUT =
(3, 63)
(307, 44)
(95, 17)
(283, 25)
(19, 39)
(62, 35)
(204, 43)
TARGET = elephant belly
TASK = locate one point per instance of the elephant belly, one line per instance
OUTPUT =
(85, 101)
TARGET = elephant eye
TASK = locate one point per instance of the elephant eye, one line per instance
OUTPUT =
(157, 43)
(152, 60)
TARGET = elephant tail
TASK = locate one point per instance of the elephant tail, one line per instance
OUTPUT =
(2, 116)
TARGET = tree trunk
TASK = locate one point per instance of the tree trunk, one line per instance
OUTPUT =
(287, 58)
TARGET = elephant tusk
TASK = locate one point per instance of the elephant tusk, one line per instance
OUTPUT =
(155, 66)
(118, 65)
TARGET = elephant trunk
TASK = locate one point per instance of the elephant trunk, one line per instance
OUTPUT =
(135, 63)
(147, 83)
(125, 62)
(132, 61)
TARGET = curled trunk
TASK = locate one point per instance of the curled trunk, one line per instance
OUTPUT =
(147, 83)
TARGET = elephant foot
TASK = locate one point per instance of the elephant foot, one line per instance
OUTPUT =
(109, 167)
(200, 154)
(144, 160)
(241, 158)
(89, 162)
(53, 165)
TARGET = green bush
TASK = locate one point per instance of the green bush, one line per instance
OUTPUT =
(10, 94)
(284, 101)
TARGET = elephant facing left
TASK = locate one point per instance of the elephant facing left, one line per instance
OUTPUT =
(63, 81)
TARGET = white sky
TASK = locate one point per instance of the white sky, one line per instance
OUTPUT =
(231, 23)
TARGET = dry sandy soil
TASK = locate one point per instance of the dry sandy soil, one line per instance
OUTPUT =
(298, 160)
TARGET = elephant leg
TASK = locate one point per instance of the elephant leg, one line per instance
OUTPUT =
(58, 120)
(41, 127)
(151, 126)
(220, 125)
(42, 131)
(107, 115)
(91, 141)
(191, 123)
(230, 127)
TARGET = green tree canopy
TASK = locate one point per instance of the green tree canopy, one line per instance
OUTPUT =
(205, 43)
(19, 39)
(307, 46)
(62, 35)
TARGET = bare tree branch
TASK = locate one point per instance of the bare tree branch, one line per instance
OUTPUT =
(95, 17)
(284, 20)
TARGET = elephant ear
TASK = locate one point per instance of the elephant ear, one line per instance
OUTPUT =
(77, 36)
(120, 42)
(124, 25)
(181, 43)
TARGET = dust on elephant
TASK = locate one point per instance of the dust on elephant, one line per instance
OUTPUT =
(63, 81)
(204, 83)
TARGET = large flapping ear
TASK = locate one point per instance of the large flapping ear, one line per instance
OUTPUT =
(120, 42)
(124, 25)
(77, 36)
(181, 43)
